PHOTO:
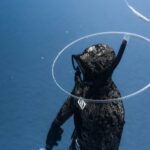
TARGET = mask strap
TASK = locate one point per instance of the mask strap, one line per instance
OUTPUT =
(77, 71)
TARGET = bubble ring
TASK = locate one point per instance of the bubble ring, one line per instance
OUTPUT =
(89, 36)
(136, 12)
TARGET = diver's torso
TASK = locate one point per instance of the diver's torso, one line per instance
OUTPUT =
(99, 125)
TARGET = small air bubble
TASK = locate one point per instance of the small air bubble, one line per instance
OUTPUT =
(42, 57)
(66, 32)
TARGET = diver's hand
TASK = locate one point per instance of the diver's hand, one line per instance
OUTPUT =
(54, 135)
(49, 147)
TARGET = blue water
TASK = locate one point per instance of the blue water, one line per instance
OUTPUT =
(32, 32)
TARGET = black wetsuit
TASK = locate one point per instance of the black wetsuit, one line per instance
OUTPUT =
(98, 126)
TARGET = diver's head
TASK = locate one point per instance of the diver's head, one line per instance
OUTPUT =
(95, 60)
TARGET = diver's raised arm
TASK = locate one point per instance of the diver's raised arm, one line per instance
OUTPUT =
(65, 111)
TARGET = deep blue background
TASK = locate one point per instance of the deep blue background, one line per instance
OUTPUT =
(32, 32)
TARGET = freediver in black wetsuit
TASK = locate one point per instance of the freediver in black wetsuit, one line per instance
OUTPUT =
(98, 126)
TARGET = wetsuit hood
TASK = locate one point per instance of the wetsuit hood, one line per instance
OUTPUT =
(94, 60)
(98, 62)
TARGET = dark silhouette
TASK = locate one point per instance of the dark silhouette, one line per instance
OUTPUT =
(98, 126)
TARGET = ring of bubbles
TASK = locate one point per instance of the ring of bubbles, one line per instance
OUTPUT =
(136, 12)
(147, 86)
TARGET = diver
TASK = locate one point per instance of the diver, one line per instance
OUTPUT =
(98, 126)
